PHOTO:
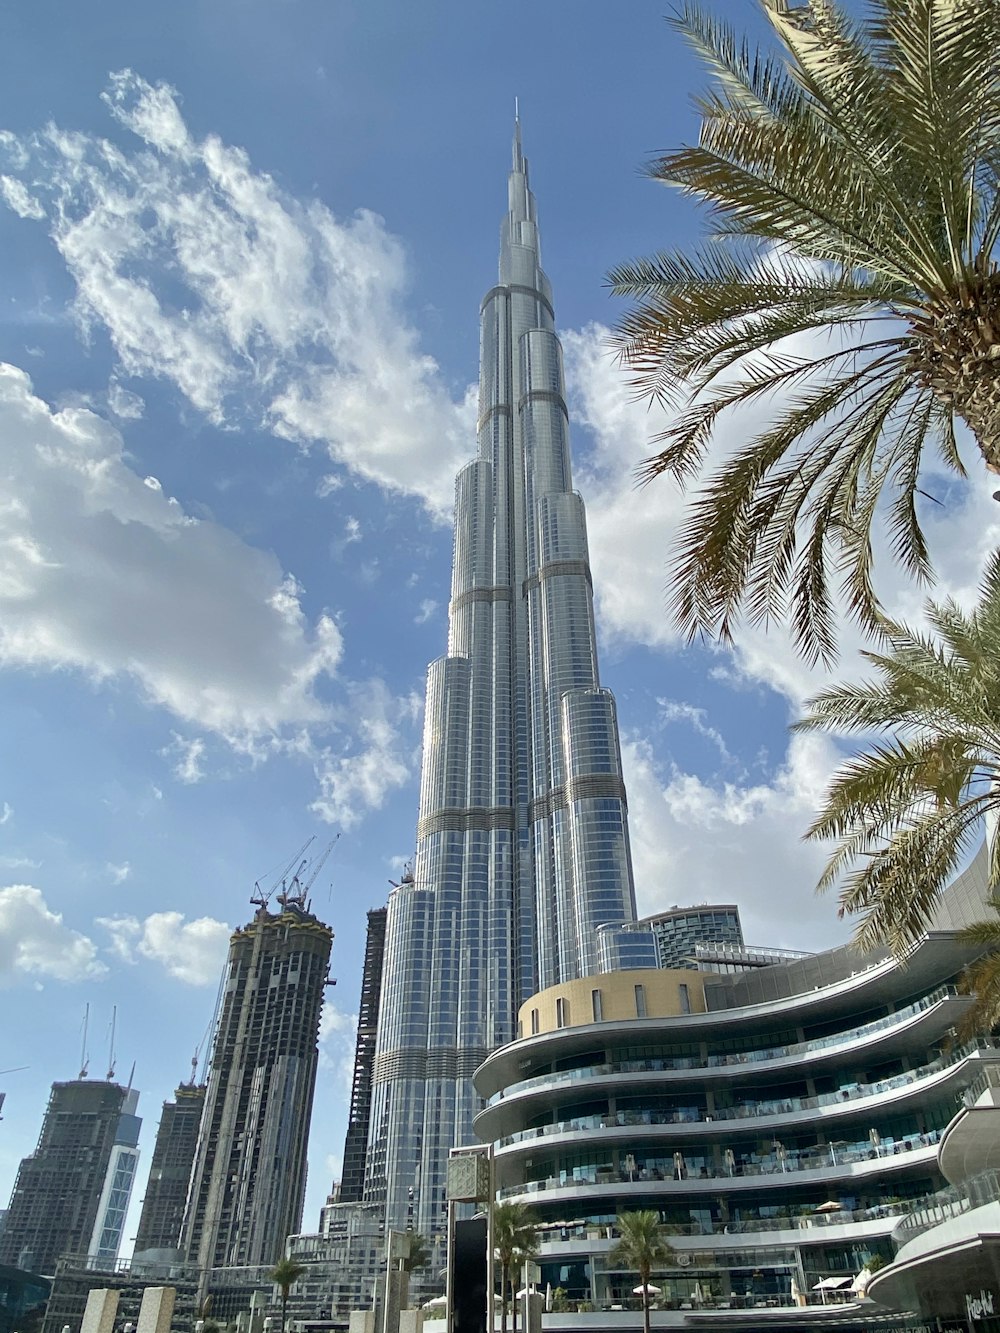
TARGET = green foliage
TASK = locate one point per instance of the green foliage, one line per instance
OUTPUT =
(560, 1301)
(982, 978)
(904, 812)
(419, 1252)
(642, 1246)
(285, 1273)
(515, 1240)
(875, 1261)
(852, 186)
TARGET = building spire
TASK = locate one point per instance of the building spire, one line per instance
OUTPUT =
(517, 157)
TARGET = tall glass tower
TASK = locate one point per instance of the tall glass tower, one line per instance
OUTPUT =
(522, 838)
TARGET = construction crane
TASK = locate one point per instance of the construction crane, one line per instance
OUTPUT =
(261, 897)
(298, 888)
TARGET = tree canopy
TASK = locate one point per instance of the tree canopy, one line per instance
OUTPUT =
(849, 291)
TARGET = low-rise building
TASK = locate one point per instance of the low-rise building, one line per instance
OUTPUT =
(780, 1121)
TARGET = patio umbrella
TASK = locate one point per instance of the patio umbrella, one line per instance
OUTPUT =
(548, 1296)
(698, 1296)
(649, 1289)
(831, 1206)
(860, 1284)
(796, 1293)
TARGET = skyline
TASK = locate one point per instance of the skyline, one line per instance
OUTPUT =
(226, 570)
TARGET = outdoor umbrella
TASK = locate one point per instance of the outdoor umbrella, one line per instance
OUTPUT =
(831, 1206)
(548, 1296)
(649, 1289)
(860, 1284)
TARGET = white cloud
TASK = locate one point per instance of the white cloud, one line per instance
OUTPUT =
(5, 813)
(187, 756)
(671, 710)
(274, 307)
(191, 951)
(19, 200)
(697, 841)
(426, 609)
(35, 942)
(631, 529)
(106, 574)
(353, 783)
(118, 873)
(123, 403)
(337, 1032)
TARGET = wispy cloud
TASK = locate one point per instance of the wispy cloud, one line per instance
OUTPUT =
(277, 311)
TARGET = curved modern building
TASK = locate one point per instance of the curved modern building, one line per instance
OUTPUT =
(947, 1264)
(522, 838)
(780, 1121)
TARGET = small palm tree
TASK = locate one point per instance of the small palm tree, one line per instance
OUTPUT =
(515, 1241)
(853, 187)
(642, 1247)
(905, 811)
(418, 1254)
(285, 1273)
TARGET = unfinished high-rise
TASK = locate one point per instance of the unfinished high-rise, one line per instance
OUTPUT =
(356, 1141)
(70, 1196)
(249, 1175)
(170, 1171)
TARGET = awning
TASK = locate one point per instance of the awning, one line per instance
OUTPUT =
(831, 1283)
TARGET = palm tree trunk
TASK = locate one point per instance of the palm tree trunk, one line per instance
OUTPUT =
(284, 1307)
(644, 1278)
(503, 1301)
(513, 1304)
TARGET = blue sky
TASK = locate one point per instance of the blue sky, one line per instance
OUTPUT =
(242, 249)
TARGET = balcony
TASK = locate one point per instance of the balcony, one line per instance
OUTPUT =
(692, 1120)
(761, 1060)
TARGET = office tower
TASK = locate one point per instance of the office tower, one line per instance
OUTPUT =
(57, 1195)
(249, 1173)
(170, 1172)
(356, 1141)
(522, 837)
(679, 931)
(105, 1242)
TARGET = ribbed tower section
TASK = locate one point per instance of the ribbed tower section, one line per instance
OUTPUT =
(522, 839)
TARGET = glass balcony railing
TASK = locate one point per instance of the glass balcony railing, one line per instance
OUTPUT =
(948, 1203)
(739, 1059)
(989, 1077)
(750, 1109)
(817, 1157)
(792, 1219)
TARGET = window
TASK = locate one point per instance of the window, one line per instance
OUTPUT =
(534, 1021)
(562, 1012)
(640, 1001)
(685, 998)
(595, 996)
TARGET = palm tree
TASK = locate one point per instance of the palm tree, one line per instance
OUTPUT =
(982, 978)
(904, 811)
(418, 1254)
(642, 1246)
(285, 1273)
(515, 1240)
(853, 189)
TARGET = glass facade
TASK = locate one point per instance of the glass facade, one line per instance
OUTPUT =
(522, 839)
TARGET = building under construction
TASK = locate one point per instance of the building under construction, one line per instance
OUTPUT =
(63, 1189)
(356, 1141)
(248, 1180)
(170, 1171)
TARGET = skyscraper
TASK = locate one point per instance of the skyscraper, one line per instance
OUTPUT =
(356, 1141)
(522, 838)
(170, 1170)
(58, 1192)
(249, 1174)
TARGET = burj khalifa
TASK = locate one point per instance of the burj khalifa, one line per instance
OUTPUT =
(522, 837)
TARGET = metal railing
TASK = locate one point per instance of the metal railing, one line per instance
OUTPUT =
(805, 1219)
(749, 1110)
(989, 1077)
(735, 1058)
(934, 1209)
